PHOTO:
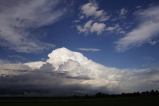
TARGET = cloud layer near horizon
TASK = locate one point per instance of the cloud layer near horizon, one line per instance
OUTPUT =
(66, 73)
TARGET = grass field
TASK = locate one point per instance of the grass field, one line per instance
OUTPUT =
(104, 101)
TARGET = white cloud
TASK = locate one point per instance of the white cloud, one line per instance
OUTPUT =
(116, 29)
(93, 27)
(62, 55)
(35, 65)
(144, 32)
(153, 42)
(96, 17)
(66, 70)
(91, 9)
(86, 27)
(123, 12)
(17, 18)
(96, 20)
(98, 27)
(90, 49)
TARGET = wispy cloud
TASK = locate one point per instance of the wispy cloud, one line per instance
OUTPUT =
(17, 18)
(90, 49)
(123, 12)
(146, 31)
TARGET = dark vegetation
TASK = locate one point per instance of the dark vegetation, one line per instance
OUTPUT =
(147, 98)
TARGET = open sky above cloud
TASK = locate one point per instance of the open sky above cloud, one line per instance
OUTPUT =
(111, 39)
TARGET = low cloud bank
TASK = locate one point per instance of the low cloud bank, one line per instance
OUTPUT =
(66, 72)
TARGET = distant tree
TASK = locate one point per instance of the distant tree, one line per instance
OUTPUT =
(99, 94)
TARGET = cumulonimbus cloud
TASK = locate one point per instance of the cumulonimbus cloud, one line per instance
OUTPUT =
(66, 72)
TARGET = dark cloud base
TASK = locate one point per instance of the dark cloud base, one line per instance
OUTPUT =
(42, 84)
(50, 84)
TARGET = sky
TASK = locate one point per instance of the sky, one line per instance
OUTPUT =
(117, 35)
(101, 30)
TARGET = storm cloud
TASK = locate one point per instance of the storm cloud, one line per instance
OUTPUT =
(66, 72)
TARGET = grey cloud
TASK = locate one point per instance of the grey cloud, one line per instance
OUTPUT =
(41, 83)
(47, 82)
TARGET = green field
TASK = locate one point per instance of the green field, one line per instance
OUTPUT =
(105, 101)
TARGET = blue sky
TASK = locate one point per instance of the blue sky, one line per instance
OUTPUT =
(116, 33)
(63, 47)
